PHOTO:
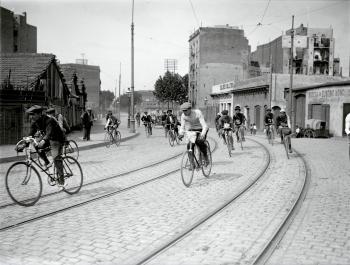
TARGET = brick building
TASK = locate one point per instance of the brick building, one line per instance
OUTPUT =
(16, 34)
(254, 95)
(27, 79)
(217, 55)
(316, 58)
(90, 75)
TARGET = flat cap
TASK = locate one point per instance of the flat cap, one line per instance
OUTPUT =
(185, 106)
(35, 109)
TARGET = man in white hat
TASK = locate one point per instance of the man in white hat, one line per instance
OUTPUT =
(283, 125)
(193, 120)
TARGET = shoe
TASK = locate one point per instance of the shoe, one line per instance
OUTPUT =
(61, 184)
(290, 151)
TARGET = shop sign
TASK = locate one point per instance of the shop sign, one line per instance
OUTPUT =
(333, 94)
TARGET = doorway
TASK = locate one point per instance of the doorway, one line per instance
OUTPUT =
(346, 111)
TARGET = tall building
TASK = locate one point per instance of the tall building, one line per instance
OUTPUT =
(217, 55)
(315, 57)
(90, 75)
(16, 34)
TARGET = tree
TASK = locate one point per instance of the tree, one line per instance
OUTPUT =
(125, 100)
(106, 98)
(171, 87)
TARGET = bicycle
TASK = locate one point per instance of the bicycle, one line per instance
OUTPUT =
(228, 137)
(23, 180)
(172, 135)
(148, 128)
(194, 159)
(286, 139)
(112, 136)
(270, 134)
(69, 147)
(240, 135)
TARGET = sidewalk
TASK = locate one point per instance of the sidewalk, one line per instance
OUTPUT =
(8, 154)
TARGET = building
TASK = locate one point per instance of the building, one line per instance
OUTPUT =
(217, 55)
(328, 102)
(313, 53)
(90, 75)
(16, 34)
(27, 79)
(254, 95)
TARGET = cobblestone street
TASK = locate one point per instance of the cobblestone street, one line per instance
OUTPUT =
(133, 207)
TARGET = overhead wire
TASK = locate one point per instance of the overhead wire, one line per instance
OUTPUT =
(194, 13)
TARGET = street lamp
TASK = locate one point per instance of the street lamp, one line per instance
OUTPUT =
(132, 119)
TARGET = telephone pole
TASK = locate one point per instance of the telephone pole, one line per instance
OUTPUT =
(290, 107)
(132, 119)
(120, 78)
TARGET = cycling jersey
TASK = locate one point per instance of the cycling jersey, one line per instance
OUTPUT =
(268, 119)
(193, 122)
(225, 119)
(283, 120)
(146, 118)
(238, 119)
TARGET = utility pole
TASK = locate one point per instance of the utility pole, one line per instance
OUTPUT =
(120, 78)
(132, 119)
(270, 86)
(290, 107)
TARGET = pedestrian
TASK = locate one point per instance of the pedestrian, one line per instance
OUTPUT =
(254, 128)
(298, 131)
(87, 120)
(138, 117)
(251, 129)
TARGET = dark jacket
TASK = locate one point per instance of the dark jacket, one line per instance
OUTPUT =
(86, 119)
(168, 121)
(50, 127)
(268, 118)
(282, 120)
(238, 118)
(225, 119)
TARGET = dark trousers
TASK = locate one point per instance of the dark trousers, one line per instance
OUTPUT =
(86, 130)
(201, 145)
(56, 152)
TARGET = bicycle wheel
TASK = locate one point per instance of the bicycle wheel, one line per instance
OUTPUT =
(206, 169)
(23, 184)
(171, 137)
(108, 139)
(187, 168)
(285, 141)
(229, 144)
(117, 138)
(71, 149)
(176, 138)
(73, 175)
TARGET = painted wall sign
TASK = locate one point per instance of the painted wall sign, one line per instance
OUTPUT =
(331, 94)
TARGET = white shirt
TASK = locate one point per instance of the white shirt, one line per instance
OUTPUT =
(194, 121)
(347, 124)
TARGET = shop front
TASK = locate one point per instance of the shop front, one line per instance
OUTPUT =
(328, 103)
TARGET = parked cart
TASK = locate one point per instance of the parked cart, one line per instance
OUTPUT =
(316, 128)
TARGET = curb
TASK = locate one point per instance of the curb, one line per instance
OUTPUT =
(86, 147)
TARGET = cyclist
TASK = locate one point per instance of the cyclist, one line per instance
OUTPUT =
(60, 119)
(283, 125)
(137, 116)
(217, 125)
(239, 120)
(268, 120)
(54, 137)
(225, 118)
(193, 120)
(147, 120)
(171, 120)
(112, 121)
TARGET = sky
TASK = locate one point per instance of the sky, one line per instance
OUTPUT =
(100, 30)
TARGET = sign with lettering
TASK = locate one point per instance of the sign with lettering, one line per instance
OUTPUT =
(329, 94)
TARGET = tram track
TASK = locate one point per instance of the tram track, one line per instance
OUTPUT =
(180, 236)
(106, 195)
(108, 178)
(267, 251)
(271, 245)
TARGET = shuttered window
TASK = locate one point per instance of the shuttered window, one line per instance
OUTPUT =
(317, 111)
